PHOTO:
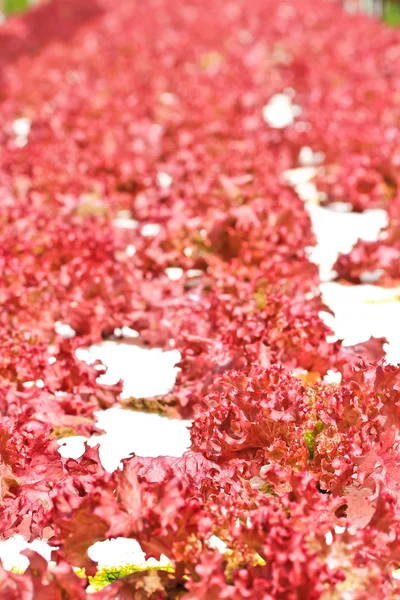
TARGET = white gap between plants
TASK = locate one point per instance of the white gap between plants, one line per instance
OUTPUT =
(145, 373)
(360, 311)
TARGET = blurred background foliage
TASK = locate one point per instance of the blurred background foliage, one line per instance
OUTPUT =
(389, 10)
(14, 6)
(391, 13)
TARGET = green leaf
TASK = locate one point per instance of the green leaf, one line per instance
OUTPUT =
(310, 436)
(392, 14)
(108, 575)
(14, 6)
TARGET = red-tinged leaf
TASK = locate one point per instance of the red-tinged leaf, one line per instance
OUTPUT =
(78, 530)
(41, 581)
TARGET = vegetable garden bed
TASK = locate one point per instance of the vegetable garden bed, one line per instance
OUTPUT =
(182, 187)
